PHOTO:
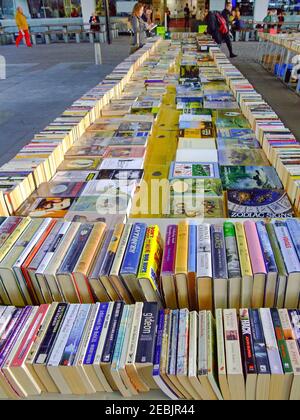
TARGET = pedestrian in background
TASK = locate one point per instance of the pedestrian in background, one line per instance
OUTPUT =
(23, 27)
(187, 14)
(139, 27)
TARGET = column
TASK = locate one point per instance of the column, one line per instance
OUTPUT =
(260, 10)
(88, 7)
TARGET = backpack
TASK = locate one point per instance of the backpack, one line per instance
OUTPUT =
(223, 29)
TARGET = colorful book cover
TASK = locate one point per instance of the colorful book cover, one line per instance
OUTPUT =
(219, 258)
(259, 344)
(183, 342)
(237, 143)
(115, 174)
(232, 253)
(247, 343)
(271, 342)
(173, 342)
(134, 249)
(146, 342)
(189, 71)
(169, 256)
(124, 152)
(286, 245)
(80, 164)
(193, 206)
(242, 157)
(243, 250)
(111, 250)
(192, 253)
(60, 189)
(158, 343)
(254, 247)
(183, 170)
(294, 230)
(250, 177)
(258, 204)
(54, 207)
(151, 257)
(201, 187)
(236, 133)
(295, 321)
(7, 228)
(231, 119)
(109, 346)
(266, 247)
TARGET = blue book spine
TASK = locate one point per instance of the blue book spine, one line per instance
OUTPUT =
(294, 229)
(75, 337)
(259, 344)
(93, 344)
(158, 344)
(219, 256)
(266, 247)
(173, 343)
(113, 329)
(192, 261)
(146, 343)
(134, 249)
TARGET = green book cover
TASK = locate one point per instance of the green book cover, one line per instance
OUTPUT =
(276, 249)
(284, 353)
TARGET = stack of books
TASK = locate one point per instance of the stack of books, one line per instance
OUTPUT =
(252, 354)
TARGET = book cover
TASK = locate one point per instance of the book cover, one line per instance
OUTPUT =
(231, 119)
(258, 204)
(95, 336)
(192, 250)
(236, 133)
(194, 170)
(254, 248)
(80, 164)
(169, 257)
(8, 227)
(266, 247)
(54, 207)
(134, 249)
(243, 250)
(286, 246)
(294, 230)
(249, 361)
(60, 189)
(193, 206)
(129, 164)
(74, 176)
(201, 187)
(237, 143)
(271, 342)
(148, 328)
(249, 177)
(111, 250)
(219, 258)
(109, 346)
(121, 174)
(283, 350)
(242, 157)
(204, 251)
(173, 342)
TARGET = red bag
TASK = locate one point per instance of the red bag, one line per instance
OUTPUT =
(223, 29)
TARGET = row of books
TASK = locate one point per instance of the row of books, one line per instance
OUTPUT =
(252, 354)
(202, 266)
(279, 144)
(290, 41)
(38, 161)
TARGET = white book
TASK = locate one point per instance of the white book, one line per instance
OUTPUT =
(59, 347)
(109, 187)
(194, 118)
(17, 267)
(196, 144)
(195, 155)
(235, 373)
(102, 340)
(204, 267)
(5, 317)
(114, 163)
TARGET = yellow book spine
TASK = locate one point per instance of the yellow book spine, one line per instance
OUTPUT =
(151, 257)
(181, 265)
(243, 250)
(4, 250)
(114, 244)
(91, 249)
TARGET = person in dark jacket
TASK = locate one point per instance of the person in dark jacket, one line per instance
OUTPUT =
(213, 29)
(227, 12)
(95, 23)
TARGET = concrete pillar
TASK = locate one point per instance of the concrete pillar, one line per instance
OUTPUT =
(260, 10)
(88, 7)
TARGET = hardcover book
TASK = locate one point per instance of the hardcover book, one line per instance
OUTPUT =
(242, 157)
(250, 177)
(187, 170)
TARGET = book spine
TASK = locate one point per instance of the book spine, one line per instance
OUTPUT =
(45, 247)
(192, 252)
(96, 333)
(286, 361)
(120, 338)
(72, 345)
(8, 227)
(112, 249)
(261, 356)
(14, 321)
(5, 318)
(104, 333)
(138, 311)
(219, 258)
(134, 249)
(14, 237)
(254, 248)
(295, 321)
(204, 257)
(109, 346)
(159, 342)
(148, 329)
(173, 343)
(287, 248)
(182, 248)
(220, 342)
(276, 249)
(169, 258)
(286, 325)
(151, 257)
(243, 250)
(51, 334)
(232, 342)
(247, 343)
(203, 349)
(294, 230)
(56, 354)
(271, 342)
(269, 257)
(233, 260)
(76, 249)
(24, 316)
(183, 336)
(121, 250)
(30, 336)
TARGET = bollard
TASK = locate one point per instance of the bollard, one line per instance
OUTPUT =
(98, 56)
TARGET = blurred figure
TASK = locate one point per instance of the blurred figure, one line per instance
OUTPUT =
(226, 14)
(157, 17)
(23, 27)
(95, 22)
(187, 14)
(139, 27)
(281, 19)
(74, 13)
(168, 13)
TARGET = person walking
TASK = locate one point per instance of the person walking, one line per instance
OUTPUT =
(95, 23)
(218, 29)
(187, 14)
(23, 27)
(226, 14)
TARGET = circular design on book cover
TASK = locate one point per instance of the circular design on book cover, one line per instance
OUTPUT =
(58, 189)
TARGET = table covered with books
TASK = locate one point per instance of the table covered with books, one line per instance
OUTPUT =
(149, 239)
